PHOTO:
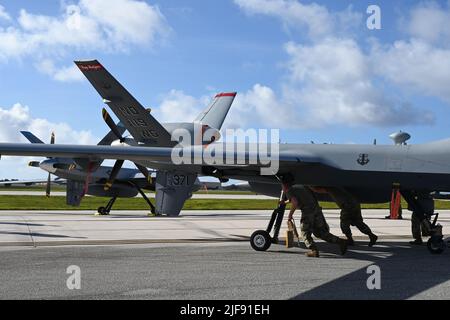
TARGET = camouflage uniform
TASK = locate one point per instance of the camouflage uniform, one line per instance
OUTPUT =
(350, 212)
(312, 220)
(419, 220)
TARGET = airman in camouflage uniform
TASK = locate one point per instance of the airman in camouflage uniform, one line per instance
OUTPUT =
(420, 224)
(350, 215)
(312, 220)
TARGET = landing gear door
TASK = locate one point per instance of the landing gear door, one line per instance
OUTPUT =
(172, 190)
(74, 190)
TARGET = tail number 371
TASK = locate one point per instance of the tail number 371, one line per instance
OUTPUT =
(178, 180)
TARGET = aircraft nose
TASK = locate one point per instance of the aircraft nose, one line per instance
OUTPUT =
(47, 165)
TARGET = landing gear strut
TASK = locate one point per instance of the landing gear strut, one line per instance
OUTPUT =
(104, 211)
(152, 207)
(436, 243)
(261, 239)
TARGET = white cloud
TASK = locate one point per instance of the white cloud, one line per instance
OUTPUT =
(88, 26)
(3, 14)
(176, 106)
(126, 21)
(429, 21)
(17, 168)
(64, 74)
(420, 63)
(294, 14)
(255, 106)
(331, 80)
(19, 118)
(415, 65)
(259, 106)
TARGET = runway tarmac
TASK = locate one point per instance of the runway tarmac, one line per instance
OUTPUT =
(205, 255)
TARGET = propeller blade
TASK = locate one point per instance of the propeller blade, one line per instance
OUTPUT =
(111, 124)
(48, 187)
(115, 171)
(52, 139)
(144, 172)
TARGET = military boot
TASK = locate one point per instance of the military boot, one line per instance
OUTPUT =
(350, 241)
(416, 242)
(373, 239)
(343, 246)
(312, 253)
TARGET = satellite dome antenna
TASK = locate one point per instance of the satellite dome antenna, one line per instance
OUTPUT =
(400, 138)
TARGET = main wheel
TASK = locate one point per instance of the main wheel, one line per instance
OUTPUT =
(102, 211)
(436, 246)
(260, 240)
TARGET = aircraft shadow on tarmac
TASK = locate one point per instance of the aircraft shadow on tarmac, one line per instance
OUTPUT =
(26, 224)
(405, 272)
(37, 234)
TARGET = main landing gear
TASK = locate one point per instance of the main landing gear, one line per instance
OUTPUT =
(261, 239)
(418, 204)
(152, 207)
(104, 211)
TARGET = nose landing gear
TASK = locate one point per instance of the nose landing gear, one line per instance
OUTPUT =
(261, 239)
(423, 206)
(436, 243)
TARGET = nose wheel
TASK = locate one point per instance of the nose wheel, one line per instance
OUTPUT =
(436, 243)
(260, 240)
(436, 246)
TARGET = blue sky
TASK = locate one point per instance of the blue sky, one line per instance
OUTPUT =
(310, 68)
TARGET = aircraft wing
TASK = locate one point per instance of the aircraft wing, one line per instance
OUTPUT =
(21, 182)
(87, 151)
(30, 182)
(138, 121)
(136, 154)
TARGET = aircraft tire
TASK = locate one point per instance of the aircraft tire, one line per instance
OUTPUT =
(436, 246)
(102, 211)
(260, 240)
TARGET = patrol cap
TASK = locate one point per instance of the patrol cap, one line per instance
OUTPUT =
(287, 178)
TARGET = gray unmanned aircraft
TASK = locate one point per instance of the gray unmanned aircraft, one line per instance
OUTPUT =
(369, 172)
(79, 182)
(87, 177)
(128, 182)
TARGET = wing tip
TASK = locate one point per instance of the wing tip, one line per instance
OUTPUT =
(82, 61)
(89, 65)
(226, 94)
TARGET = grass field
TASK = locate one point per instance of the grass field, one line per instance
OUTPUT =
(92, 203)
(63, 189)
